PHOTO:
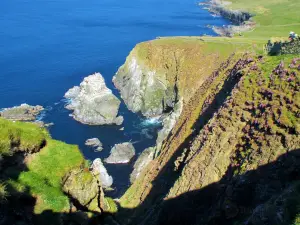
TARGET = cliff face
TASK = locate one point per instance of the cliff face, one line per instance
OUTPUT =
(158, 73)
(233, 152)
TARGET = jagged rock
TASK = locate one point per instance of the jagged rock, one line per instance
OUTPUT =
(81, 185)
(94, 142)
(93, 103)
(143, 160)
(99, 170)
(24, 112)
(142, 89)
(121, 153)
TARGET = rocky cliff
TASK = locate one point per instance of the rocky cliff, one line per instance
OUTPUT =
(158, 73)
(232, 153)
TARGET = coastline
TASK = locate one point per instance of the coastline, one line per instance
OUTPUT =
(242, 20)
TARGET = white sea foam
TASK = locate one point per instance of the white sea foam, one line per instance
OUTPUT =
(155, 121)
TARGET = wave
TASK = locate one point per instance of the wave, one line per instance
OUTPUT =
(155, 121)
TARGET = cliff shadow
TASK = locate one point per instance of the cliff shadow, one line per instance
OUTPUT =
(269, 195)
(17, 203)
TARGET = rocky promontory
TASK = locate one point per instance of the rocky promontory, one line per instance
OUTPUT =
(93, 103)
(158, 73)
(24, 112)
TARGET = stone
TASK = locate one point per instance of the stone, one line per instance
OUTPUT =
(143, 161)
(99, 170)
(94, 142)
(93, 103)
(24, 112)
(81, 185)
(121, 153)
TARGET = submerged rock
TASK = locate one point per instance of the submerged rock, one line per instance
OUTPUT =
(24, 112)
(143, 160)
(93, 103)
(99, 170)
(94, 142)
(121, 153)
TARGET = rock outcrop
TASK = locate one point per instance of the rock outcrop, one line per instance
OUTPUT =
(24, 112)
(241, 19)
(142, 162)
(95, 143)
(93, 103)
(158, 73)
(121, 153)
(100, 171)
(82, 186)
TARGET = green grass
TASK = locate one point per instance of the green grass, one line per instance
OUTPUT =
(46, 168)
(26, 136)
(46, 171)
(274, 18)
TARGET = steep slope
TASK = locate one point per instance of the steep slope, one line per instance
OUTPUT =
(245, 124)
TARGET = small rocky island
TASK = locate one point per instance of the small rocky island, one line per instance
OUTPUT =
(24, 112)
(93, 103)
(121, 153)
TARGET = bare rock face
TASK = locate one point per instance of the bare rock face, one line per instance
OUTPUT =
(24, 112)
(143, 160)
(93, 103)
(99, 170)
(121, 153)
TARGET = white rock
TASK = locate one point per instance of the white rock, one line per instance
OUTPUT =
(98, 169)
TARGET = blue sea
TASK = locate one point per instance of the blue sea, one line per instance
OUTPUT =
(47, 47)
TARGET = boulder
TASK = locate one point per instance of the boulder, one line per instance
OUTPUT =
(99, 170)
(93, 103)
(121, 153)
(81, 185)
(24, 112)
(143, 160)
(94, 142)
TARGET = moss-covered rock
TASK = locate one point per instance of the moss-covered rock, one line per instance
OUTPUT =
(81, 185)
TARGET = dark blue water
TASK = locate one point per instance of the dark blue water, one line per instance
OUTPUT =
(47, 47)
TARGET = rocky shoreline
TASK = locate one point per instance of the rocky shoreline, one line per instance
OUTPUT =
(242, 20)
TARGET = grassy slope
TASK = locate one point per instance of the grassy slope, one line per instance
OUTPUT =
(45, 168)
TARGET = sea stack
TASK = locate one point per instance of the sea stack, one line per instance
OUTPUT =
(93, 103)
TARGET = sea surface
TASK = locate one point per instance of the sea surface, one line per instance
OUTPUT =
(47, 47)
